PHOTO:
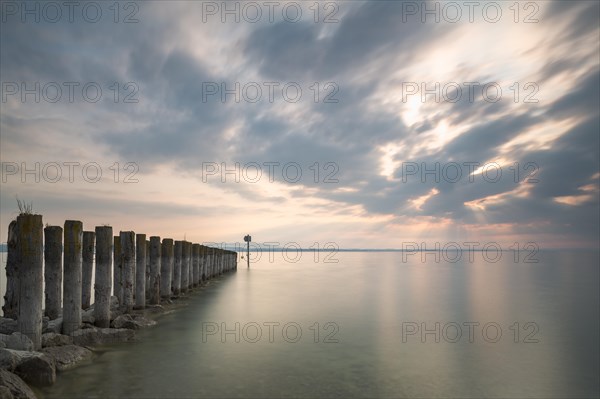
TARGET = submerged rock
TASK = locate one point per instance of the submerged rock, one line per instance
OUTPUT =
(132, 322)
(15, 385)
(37, 370)
(10, 358)
(68, 356)
(99, 336)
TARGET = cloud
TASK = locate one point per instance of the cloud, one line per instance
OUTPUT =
(361, 62)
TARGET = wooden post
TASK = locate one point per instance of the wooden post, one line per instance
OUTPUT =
(190, 248)
(147, 274)
(196, 264)
(53, 270)
(103, 284)
(11, 297)
(222, 261)
(89, 238)
(177, 268)
(166, 266)
(208, 262)
(31, 276)
(185, 267)
(201, 262)
(128, 256)
(154, 283)
(72, 281)
(118, 270)
(216, 263)
(140, 271)
(211, 265)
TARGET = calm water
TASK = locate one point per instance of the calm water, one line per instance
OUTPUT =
(372, 301)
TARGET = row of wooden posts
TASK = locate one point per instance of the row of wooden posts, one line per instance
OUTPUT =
(145, 271)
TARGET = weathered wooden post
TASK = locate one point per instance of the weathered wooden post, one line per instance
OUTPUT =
(140, 271)
(208, 265)
(206, 261)
(72, 280)
(221, 260)
(154, 283)
(31, 276)
(166, 266)
(53, 270)
(177, 268)
(190, 265)
(118, 270)
(185, 267)
(201, 259)
(128, 259)
(147, 274)
(211, 265)
(89, 239)
(195, 264)
(103, 285)
(11, 297)
(214, 260)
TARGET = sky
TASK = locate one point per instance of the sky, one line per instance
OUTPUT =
(356, 124)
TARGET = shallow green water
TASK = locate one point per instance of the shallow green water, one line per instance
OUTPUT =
(373, 301)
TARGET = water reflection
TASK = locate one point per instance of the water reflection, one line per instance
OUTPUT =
(370, 297)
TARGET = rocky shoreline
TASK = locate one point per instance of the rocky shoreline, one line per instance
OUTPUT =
(22, 368)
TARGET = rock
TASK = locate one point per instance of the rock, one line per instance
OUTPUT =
(54, 326)
(99, 336)
(67, 357)
(16, 386)
(8, 361)
(19, 341)
(123, 321)
(88, 317)
(132, 322)
(114, 313)
(37, 370)
(54, 339)
(7, 326)
(2, 344)
(5, 393)
(151, 309)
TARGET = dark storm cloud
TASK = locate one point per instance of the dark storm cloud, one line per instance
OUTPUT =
(374, 30)
(583, 16)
